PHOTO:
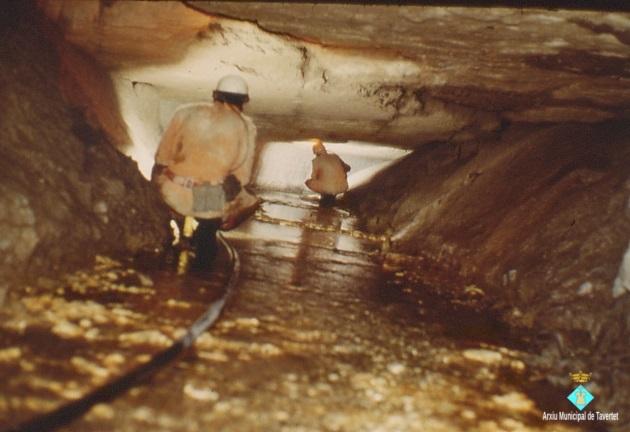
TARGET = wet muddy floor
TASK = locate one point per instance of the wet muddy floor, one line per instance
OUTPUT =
(320, 335)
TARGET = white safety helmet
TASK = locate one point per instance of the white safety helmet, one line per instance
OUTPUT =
(232, 84)
(232, 89)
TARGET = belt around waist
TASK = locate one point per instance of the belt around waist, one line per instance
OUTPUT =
(187, 182)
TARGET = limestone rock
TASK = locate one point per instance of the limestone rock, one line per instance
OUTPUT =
(65, 192)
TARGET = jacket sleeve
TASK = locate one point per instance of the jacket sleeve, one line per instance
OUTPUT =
(344, 165)
(170, 144)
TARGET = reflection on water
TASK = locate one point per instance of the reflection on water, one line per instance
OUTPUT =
(60, 339)
(321, 335)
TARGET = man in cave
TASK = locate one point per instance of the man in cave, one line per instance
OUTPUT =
(203, 162)
(328, 176)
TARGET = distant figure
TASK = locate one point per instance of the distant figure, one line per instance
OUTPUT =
(205, 158)
(329, 175)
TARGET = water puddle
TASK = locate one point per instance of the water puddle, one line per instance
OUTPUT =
(62, 339)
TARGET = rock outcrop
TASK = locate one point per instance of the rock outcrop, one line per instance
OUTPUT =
(538, 218)
(66, 194)
(402, 75)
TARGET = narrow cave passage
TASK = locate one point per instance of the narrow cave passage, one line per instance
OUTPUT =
(475, 274)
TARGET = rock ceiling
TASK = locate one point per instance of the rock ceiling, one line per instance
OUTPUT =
(404, 75)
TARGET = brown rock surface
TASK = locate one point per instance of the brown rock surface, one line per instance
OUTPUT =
(404, 75)
(538, 218)
(66, 192)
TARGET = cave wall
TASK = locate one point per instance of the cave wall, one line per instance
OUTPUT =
(123, 33)
(465, 69)
(538, 218)
(548, 204)
(87, 86)
(66, 193)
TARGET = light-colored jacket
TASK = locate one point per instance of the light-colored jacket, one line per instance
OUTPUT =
(329, 174)
(206, 142)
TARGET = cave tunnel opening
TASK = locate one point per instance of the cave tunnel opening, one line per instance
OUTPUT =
(475, 273)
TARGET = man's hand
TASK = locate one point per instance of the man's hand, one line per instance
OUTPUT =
(240, 211)
(231, 187)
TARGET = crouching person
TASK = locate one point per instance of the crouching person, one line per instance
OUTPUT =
(205, 159)
(329, 176)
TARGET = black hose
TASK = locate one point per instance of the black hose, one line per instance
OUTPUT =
(107, 392)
